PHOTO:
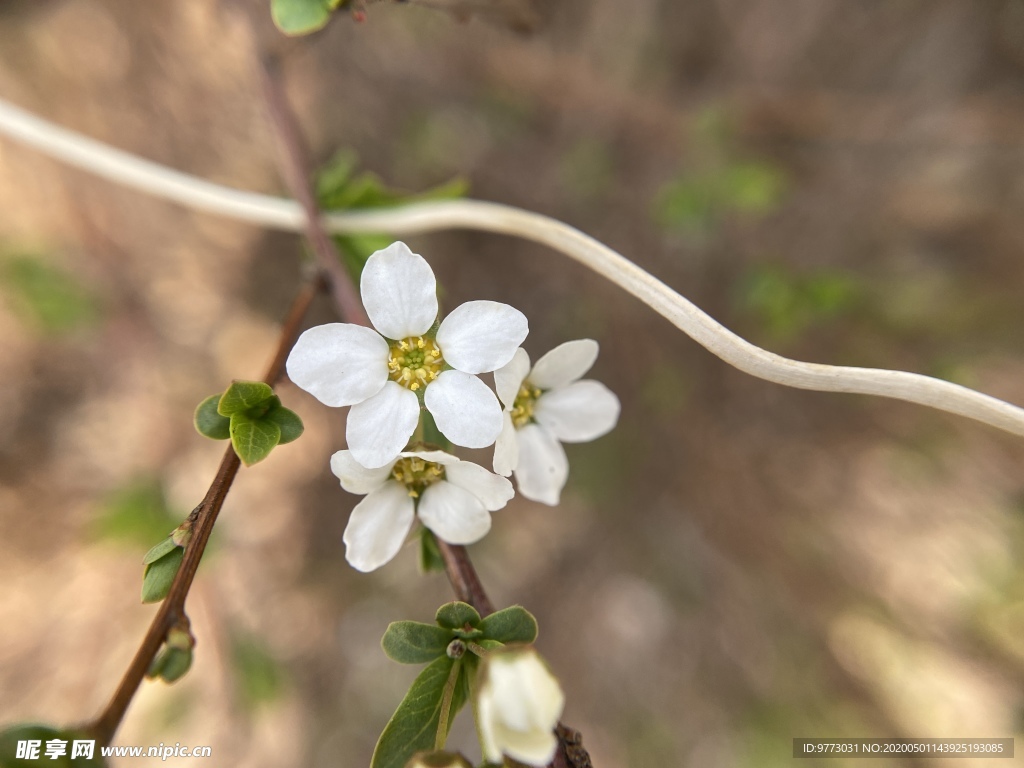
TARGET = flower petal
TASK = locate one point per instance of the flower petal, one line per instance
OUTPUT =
(533, 747)
(438, 457)
(339, 363)
(579, 412)
(379, 428)
(564, 364)
(481, 336)
(506, 447)
(543, 467)
(453, 513)
(354, 477)
(510, 377)
(465, 410)
(495, 492)
(399, 292)
(378, 526)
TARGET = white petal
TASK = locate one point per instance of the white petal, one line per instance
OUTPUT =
(355, 478)
(487, 724)
(481, 336)
(564, 364)
(438, 457)
(379, 428)
(543, 467)
(339, 363)
(378, 526)
(579, 412)
(492, 490)
(506, 448)
(533, 747)
(465, 410)
(454, 514)
(399, 292)
(510, 376)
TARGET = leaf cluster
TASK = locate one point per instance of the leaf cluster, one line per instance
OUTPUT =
(340, 186)
(450, 647)
(251, 416)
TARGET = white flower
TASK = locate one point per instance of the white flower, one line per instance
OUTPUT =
(518, 706)
(452, 498)
(383, 373)
(544, 407)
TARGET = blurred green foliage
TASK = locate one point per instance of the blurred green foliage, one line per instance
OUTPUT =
(717, 181)
(45, 296)
(340, 187)
(137, 514)
(785, 303)
(587, 169)
(259, 677)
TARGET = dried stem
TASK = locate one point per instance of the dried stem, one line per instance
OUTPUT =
(172, 609)
(277, 213)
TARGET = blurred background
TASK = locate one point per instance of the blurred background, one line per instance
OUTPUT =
(736, 565)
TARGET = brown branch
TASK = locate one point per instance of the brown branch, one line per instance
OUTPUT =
(295, 169)
(172, 609)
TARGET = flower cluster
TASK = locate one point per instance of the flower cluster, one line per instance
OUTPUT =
(412, 363)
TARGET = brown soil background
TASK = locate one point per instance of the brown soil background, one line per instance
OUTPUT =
(737, 564)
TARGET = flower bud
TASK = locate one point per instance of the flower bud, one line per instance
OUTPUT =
(519, 703)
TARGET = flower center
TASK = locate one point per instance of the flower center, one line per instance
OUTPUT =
(417, 474)
(414, 362)
(522, 408)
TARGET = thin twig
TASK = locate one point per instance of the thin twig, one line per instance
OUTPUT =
(198, 194)
(294, 167)
(172, 609)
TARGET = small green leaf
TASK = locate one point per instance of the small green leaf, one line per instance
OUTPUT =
(438, 760)
(40, 734)
(253, 439)
(457, 615)
(159, 551)
(300, 17)
(243, 395)
(287, 421)
(430, 553)
(159, 574)
(410, 642)
(413, 727)
(510, 625)
(209, 422)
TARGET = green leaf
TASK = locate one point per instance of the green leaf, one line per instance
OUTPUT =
(457, 615)
(209, 422)
(410, 642)
(159, 574)
(253, 439)
(300, 17)
(430, 553)
(159, 551)
(413, 727)
(510, 625)
(35, 732)
(243, 395)
(287, 421)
